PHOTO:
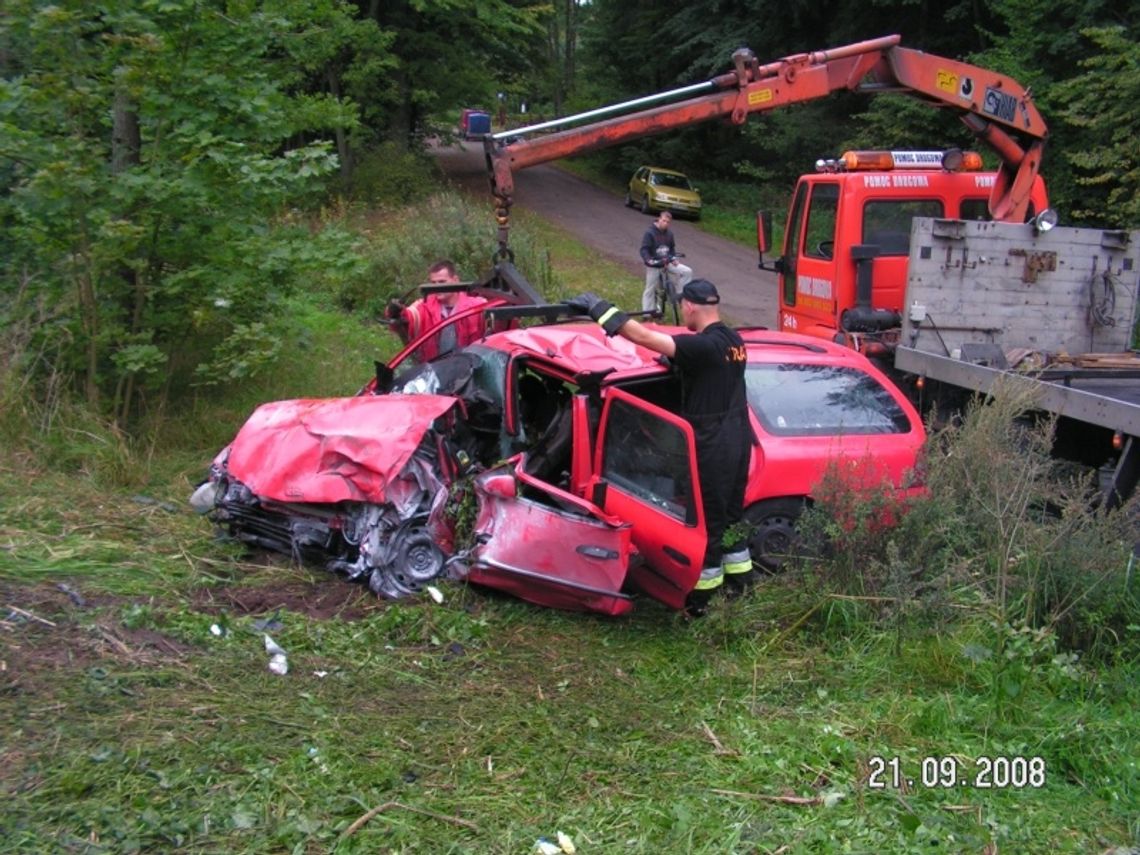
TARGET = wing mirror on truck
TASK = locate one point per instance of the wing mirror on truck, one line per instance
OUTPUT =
(764, 242)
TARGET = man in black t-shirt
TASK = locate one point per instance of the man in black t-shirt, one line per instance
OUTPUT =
(711, 359)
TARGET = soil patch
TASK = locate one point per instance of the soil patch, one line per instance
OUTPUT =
(322, 599)
(50, 630)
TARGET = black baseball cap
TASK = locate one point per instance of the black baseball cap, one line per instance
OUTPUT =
(701, 292)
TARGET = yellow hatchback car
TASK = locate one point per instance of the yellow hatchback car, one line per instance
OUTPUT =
(654, 189)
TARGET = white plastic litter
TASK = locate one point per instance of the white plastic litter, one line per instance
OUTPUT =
(435, 593)
(564, 846)
(278, 663)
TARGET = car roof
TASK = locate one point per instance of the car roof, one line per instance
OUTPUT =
(577, 348)
(583, 348)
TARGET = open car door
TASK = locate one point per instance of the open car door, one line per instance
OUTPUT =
(646, 463)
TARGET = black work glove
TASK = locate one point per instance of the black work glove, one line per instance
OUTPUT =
(654, 263)
(395, 309)
(604, 312)
(582, 303)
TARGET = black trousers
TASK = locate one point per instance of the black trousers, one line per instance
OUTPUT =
(724, 446)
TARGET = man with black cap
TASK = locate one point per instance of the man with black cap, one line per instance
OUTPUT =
(711, 358)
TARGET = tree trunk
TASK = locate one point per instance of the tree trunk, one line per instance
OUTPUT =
(342, 150)
(126, 145)
(126, 140)
(571, 48)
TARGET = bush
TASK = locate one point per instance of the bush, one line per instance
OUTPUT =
(444, 225)
(1005, 529)
(388, 177)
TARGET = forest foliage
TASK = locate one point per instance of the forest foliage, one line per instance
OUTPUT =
(172, 169)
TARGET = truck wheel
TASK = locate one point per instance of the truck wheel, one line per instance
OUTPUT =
(773, 540)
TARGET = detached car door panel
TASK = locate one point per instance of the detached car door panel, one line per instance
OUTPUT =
(548, 547)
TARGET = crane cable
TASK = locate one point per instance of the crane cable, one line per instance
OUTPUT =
(1102, 300)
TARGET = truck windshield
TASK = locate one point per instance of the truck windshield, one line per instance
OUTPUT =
(821, 400)
(886, 223)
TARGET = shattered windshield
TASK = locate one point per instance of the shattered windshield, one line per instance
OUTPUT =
(476, 373)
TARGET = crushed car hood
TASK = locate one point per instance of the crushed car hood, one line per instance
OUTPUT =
(332, 449)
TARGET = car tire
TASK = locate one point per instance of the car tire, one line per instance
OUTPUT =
(628, 200)
(773, 539)
(645, 204)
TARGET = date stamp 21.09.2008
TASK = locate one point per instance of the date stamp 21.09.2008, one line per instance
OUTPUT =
(954, 772)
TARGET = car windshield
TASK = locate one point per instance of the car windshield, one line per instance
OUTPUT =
(821, 400)
(665, 179)
(475, 373)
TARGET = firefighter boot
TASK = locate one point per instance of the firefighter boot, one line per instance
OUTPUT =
(697, 603)
(738, 573)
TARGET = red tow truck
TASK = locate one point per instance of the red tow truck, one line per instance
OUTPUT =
(953, 278)
(849, 225)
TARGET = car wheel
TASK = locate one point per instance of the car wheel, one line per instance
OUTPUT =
(645, 204)
(628, 200)
(773, 540)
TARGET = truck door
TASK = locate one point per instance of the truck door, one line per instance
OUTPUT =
(808, 279)
(645, 461)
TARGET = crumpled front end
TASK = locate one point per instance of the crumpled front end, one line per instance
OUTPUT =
(357, 485)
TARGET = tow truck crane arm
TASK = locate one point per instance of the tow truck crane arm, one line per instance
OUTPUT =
(997, 109)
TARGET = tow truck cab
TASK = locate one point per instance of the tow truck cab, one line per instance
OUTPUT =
(843, 267)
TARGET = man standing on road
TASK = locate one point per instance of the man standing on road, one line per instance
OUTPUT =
(657, 249)
(711, 358)
(412, 321)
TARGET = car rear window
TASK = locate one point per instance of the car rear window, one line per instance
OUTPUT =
(821, 400)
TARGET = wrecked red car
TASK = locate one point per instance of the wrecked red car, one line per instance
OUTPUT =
(549, 462)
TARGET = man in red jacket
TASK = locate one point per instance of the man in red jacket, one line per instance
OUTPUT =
(414, 320)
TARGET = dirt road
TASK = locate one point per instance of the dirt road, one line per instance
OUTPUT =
(599, 219)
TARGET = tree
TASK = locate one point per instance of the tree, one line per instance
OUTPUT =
(447, 54)
(149, 153)
(1101, 102)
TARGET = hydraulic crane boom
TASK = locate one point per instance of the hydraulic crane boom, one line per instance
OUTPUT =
(997, 109)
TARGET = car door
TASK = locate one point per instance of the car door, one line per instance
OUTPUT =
(646, 470)
(547, 546)
(637, 185)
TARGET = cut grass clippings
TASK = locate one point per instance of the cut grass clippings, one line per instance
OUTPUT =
(482, 724)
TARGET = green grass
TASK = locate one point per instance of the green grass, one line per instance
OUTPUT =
(485, 724)
(478, 725)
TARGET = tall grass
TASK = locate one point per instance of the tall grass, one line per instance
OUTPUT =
(1006, 531)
